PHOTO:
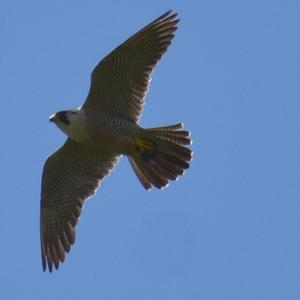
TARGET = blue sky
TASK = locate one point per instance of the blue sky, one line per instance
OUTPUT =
(228, 229)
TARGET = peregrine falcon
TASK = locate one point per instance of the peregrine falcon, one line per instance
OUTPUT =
(105, 127)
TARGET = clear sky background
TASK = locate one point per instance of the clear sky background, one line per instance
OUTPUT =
(229, 228)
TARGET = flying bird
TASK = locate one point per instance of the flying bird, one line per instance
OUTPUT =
(105, 127)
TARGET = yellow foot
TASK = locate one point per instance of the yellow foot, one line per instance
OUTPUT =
(142, 145)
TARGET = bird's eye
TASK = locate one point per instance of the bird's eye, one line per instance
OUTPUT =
(63, 117)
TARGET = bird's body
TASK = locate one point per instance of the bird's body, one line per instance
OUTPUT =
(105, 127)
(100, 129)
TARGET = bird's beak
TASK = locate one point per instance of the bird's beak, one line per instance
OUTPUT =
(53, 118)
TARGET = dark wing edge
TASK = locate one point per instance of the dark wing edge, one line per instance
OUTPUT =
(125, 72)
(70, 176)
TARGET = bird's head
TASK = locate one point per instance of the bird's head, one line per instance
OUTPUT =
(63, 118)
(71, 122)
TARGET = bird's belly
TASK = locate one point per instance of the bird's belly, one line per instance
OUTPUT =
(119, 144)
(112, 132)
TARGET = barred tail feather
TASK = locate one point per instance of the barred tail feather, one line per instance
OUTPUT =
(161, 155)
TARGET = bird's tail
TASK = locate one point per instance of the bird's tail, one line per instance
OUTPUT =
(161, 155)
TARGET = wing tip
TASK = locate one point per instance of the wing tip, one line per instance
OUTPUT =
(168, 16)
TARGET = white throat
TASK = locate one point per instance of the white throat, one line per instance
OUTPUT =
(77, 130)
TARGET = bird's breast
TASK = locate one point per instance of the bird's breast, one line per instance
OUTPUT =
(109, 130)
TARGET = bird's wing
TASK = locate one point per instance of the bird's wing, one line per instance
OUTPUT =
(70, 176)
(120, 81)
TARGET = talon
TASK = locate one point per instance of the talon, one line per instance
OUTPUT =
(142, 145)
